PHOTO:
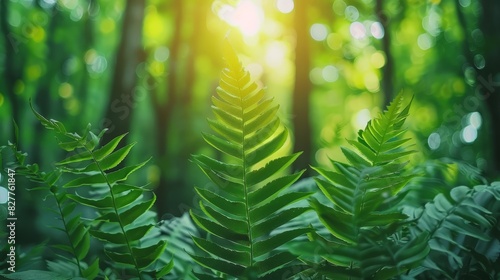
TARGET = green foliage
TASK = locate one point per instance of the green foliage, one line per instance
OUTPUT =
(177, 232)
(75, 230)
(38, 275)
(367, 239)
(462, 228)
(121, 218)
(246, 205)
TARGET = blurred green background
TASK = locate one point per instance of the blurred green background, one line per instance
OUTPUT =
(149, 67)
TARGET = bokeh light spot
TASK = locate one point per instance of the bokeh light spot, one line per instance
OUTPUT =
(72, 105)
(316, 76)
(256, 70)
(285, 6)
(357, 30)
(475, 120)
(434, 141)
(334, 41)
(371, 82)
(107, 25)
(34, 71)
(14, 18)
(479, 61)
(425, 41)
(275, 54)
(162, 54)
(377, 30)
(319, 32)
(3, 195)
(100, 64)
(464, 3)
(246, 16)
(65, 90)
(156, 68)
(330, 73)
(469, 134)
(361, 119)
(38, 34)
(351, 13)
(377, 59)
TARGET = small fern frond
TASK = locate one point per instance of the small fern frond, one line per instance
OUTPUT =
(72, 225)
(458, 224)
(121, 208)
(177, 232)
(361, 217)
(250, 199)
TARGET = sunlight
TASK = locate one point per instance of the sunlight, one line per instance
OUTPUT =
(247, 16)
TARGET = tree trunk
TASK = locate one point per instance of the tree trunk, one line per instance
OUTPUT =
(388, 68)
(168, 191)
(302, 88)
(489, 76)
(130, 55)
(14, 63)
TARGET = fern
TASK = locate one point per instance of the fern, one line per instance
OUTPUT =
(178, 231)
(247, 204)
(72, 226)
(121, 208)
(461, 226)
(366, 230)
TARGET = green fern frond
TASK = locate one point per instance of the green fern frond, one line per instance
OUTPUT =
(72, 225)
(458, 224)
(249, 201)
(121, 208)
(177, 232)
(360, 216)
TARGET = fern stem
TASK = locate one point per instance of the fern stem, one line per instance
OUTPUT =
(66, 230)
(122, 228)
(245, 187)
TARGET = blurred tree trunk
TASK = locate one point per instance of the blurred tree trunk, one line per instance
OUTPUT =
(488, 79)
(130, 54)
(302, 88)
(54, 60)
(14, 63)
(88, 36)
(489, 76)
(388, 68)
(167, 191)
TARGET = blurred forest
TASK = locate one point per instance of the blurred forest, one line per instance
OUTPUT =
(149, 68)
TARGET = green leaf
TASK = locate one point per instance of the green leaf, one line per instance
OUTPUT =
(108, 148)
(115, 238)
(147, 255)
(110, 161)
(220, 265)
(238, 257)
(265, 246)
(101, 203)
(130, 215)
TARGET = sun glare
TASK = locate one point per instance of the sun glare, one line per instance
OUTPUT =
(247, 16)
